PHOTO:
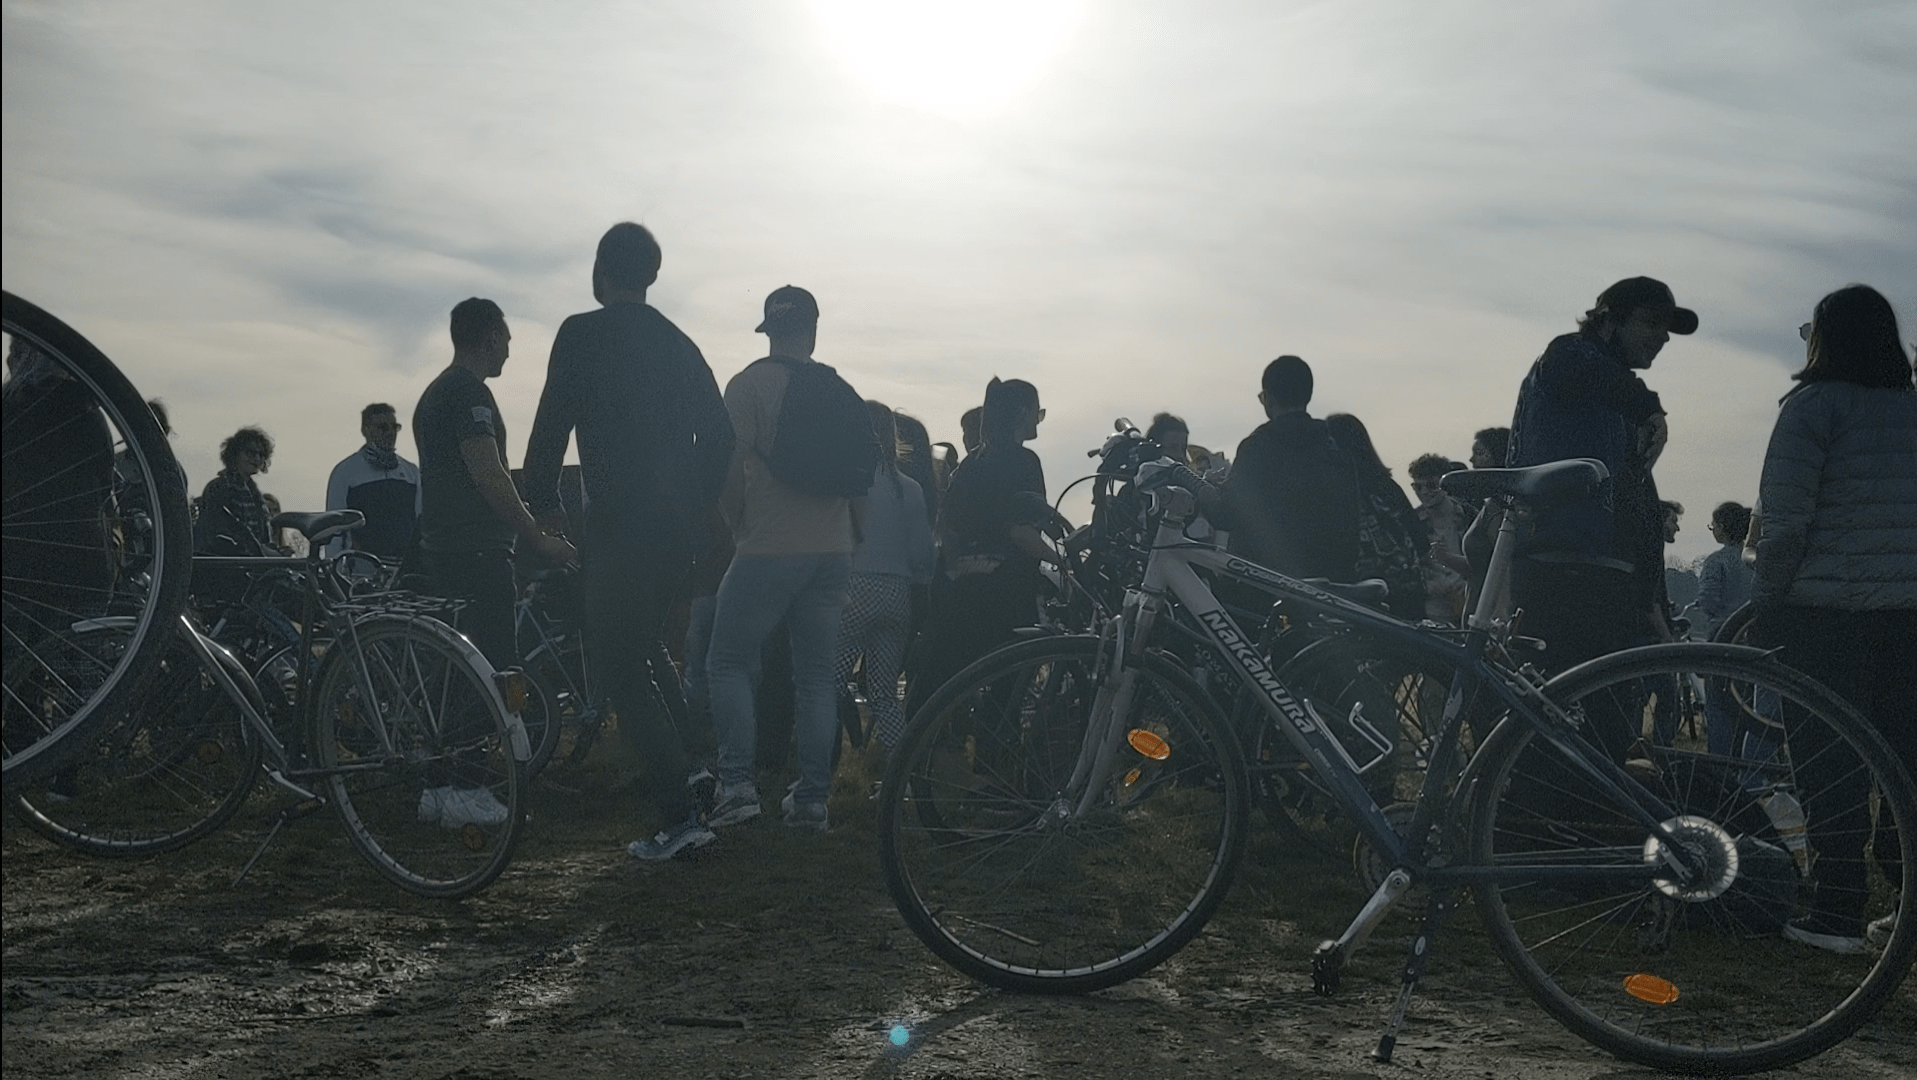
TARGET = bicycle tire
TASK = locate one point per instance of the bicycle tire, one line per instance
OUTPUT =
(95, 525)
(419, 728)
(1736, 995)
(992, 871)
(160, 778)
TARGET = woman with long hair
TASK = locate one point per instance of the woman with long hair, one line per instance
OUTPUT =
(894, 554)
(1391, 537)
(1836, 574)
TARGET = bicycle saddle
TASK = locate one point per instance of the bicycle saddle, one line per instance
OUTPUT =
(321, 527)
(1548, 482)
(1372, 592)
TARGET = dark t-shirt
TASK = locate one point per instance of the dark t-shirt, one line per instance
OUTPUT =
(984, 502)
(454, 516)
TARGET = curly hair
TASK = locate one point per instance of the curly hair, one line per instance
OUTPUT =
(249, 437)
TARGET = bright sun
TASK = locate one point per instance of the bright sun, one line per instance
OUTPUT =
(951, 57)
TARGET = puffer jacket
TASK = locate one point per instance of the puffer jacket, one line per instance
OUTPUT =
(1839, 500)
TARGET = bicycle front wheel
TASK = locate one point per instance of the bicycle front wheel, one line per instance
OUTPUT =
(1021, 879)
(1690, 969)
(95, 527)
(418, 757)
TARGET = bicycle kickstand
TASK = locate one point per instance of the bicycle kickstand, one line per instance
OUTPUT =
(290, 813)
(1443, 902)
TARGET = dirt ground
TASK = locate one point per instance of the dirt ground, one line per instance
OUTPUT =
(767, 955)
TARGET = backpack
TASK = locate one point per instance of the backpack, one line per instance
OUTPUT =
(825, 444)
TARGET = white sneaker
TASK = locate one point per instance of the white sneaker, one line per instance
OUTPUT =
(459, 807)
(431, 803)
(733, 805)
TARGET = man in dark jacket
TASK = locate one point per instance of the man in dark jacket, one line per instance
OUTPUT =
(1291, 501)
(654, 445)
(1580, 573)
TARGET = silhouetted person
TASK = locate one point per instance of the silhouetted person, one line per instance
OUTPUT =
(894, 555)
(380, 484)
(971, 428)
(1489, 448)
(654, 441)
(1392, 539)
(1837, 576)
(233, 518)
(991, 529)
(1724, 580)
(1446, 586)
(915, 461)
(1291, 501)
(1171, 435)
(470, 513)
(793, 530)
(1574, 575)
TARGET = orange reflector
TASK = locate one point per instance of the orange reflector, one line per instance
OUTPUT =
(1132, 777)
(512, 688)
(1149, 744)
(471, 836)
(1651, 988)
(209, 753)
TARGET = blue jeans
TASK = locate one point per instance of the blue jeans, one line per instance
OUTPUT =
(757, 592)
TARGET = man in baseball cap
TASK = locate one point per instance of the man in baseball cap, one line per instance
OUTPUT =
(789, 307)
(1589, 572)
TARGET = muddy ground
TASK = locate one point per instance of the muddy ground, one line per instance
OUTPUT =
(768, 955)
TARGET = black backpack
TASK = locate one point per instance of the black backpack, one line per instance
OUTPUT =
(825, 444)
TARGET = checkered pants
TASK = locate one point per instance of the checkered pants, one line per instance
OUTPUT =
(875, 624)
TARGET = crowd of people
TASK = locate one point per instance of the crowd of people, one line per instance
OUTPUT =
(786, 506)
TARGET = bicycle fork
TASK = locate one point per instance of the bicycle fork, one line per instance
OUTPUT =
(1111, 705)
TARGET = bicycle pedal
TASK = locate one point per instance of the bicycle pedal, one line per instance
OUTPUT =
(1327, 968)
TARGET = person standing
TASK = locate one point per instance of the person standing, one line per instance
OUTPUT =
(470, 513)
(233, 518)
(1836, 574)
(991, 528)
(380, 484)
(1291, 501)
(1575, 575)
(894, 557)
(1446, 586)
(653, 445)
(804, 448)
(1724, 579)
(1392, 538)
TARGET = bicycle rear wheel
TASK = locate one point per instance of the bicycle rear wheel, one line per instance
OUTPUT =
(991, 859)
(418, 754)
(1690, 971)
(173, 771)
(93, 524)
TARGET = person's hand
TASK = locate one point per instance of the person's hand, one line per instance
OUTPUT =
(1652, 434)
(555, 550)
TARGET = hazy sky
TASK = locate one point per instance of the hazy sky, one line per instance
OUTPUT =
(264, 212)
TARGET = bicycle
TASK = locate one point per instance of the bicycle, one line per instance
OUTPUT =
(94, 523)
(408, 733)
(1069, 811)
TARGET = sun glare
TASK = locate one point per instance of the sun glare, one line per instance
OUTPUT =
(948, 57)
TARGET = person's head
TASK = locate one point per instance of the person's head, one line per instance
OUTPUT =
(1351, 436)
(972, 428)
(1853, 338)
(626, 265)
(915, 443)
(791, 323)
(1426, 470)
(1170, 434)
(885, 426)
(379, 424)
(1730, 523)
(1637, 316)
(1012, 412)
(1670, 510)
(1285, 386)
(1490, 447)
(481, 340)
(248, 450)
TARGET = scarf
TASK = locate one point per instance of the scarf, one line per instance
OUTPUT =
(380, 459)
